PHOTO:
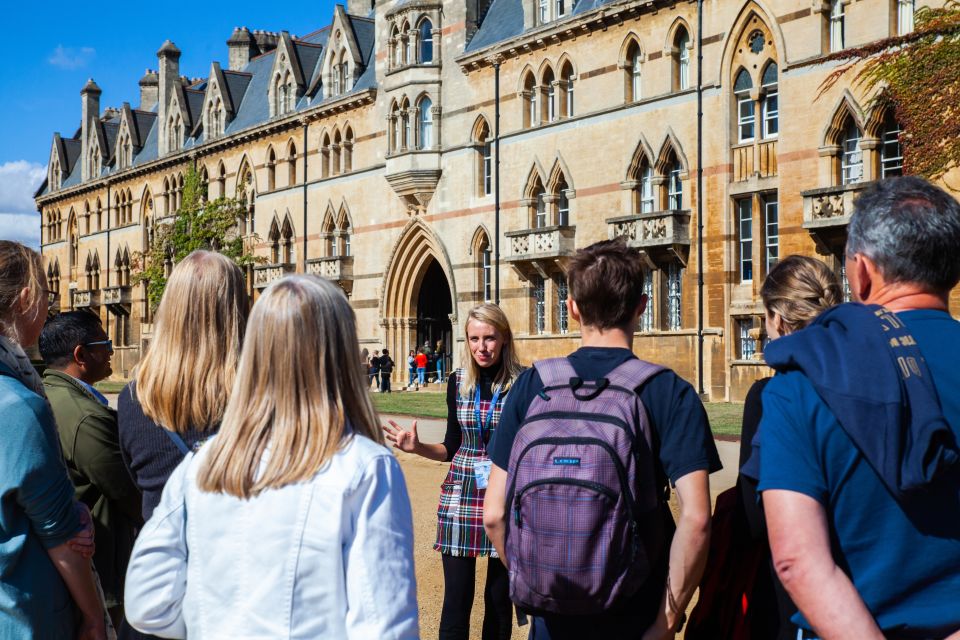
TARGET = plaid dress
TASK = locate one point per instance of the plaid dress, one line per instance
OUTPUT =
(460, 513)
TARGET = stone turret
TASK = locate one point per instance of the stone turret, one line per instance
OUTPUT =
(90, 111)
(169, 73)
(149, 90)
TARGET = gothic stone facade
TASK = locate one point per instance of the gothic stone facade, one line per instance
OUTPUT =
(364, 151)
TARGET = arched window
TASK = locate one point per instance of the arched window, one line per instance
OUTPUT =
(329, 234)
(563, 203)
(348, 150)
(407, 44)
(769, 101)
(644, 194)
(851, 160)
(484, 160)
(325, 157)
(406, 139)
(674, 185)
(426, 42)
(543, 11)
(271, 170)
(345, 234)
(905, 11)
(746, 114)
(274, 238)
(530, 101)
(540, 207)
(395, 128)
(550, 106)
(425, 124)
(335, 154)
(73, 238)
(836, 25)
(396, 44)
(222, 180)
(99, 213)
(682, 45)
(286, 241)
(566, 88)
(292, 164)
(891, 153)
(634, 72)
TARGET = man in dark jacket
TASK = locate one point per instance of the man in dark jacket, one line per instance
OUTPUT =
(77, 352)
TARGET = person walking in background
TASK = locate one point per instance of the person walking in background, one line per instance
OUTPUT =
(47, 584)
(365, 364)
(475, 397)
(421, 360)
(440, 355)
(77, 353)
(589, 541)
(858, 440)
(181, 386)
(412, 367)
(299, 520)
(375, 370)
(386, 370)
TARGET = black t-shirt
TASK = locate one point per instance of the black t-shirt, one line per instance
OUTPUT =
(684, 444)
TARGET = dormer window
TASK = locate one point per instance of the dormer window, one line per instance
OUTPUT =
(175, 132)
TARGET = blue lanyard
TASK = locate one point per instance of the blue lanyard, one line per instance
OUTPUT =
(482, 424)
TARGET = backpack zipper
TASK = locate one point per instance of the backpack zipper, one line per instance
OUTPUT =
(593, 486)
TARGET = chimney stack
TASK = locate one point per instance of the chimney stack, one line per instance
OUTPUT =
(169, 73)
(242, 48)
(149, 90)
(90, 111)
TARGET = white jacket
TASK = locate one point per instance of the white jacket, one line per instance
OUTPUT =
(328, 558)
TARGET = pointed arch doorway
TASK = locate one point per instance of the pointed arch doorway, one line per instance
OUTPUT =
(434, 309)
(418, 295)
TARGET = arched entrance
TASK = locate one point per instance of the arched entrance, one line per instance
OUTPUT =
(418, 295)
(434, 308)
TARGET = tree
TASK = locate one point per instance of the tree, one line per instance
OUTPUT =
(918, 75)
(198, 224)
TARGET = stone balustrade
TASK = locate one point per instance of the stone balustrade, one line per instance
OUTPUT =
(266, 274)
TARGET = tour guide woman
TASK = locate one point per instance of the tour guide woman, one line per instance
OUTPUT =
(475, 397)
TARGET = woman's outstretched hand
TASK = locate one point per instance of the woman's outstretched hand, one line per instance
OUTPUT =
(402, 439)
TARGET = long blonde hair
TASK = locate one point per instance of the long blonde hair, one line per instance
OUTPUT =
(294, 394)
(20, 268)
(494, 316)
(186, 374)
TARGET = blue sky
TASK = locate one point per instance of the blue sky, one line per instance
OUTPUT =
(52, 48)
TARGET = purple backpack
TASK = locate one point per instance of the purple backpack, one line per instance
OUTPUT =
(584, 502)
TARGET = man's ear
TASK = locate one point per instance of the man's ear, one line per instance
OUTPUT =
(79, 355)
(642, 305)
(867, 278)
(572, 310)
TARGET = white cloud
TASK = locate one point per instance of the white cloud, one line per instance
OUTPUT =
(19, 219)
(70, 58)
(21, 227)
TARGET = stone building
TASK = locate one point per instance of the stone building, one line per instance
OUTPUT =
(365, 154)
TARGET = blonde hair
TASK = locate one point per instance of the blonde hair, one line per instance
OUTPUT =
(20, 268)
(293, 396)
(186, 374)
(799, 289)
(494, 316)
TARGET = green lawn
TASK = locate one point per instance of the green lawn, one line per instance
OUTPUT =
(110, 386)
(725, 417)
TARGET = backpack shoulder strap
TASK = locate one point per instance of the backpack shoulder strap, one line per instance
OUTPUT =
(555, 372)
(177, 440)
(633, 373)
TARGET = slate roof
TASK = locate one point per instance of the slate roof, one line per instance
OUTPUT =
(504, 20)
(237, 84)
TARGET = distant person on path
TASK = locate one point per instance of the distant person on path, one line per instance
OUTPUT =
(412, 367)
(421, 360)
(591, 546)
(858, 441)
(182, 383)
(299, 520)
(386, 371)
(365, 364)
(440, 355)
(375, 370)
(77, 353)
(475, 398)
(47, 587)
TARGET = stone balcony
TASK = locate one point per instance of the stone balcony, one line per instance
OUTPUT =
(662, 235)
(339, 269)
(540, 251)
(414, 176)
(754, 159)
(117, 299)
(826, 213)
(266, 274)
(85, 298)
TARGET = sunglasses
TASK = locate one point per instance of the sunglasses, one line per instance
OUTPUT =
(108, 343)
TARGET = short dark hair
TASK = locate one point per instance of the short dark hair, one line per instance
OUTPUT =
(910, 229)
(606, 282)
(63, 332)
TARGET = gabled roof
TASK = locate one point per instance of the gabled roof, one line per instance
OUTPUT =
(504, 20)
(126, 115)
(144, 121)
(236, 83)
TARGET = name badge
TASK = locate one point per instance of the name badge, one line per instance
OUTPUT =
(481, 471)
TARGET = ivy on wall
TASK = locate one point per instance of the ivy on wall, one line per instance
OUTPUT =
(213, 225)
(918, 74)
